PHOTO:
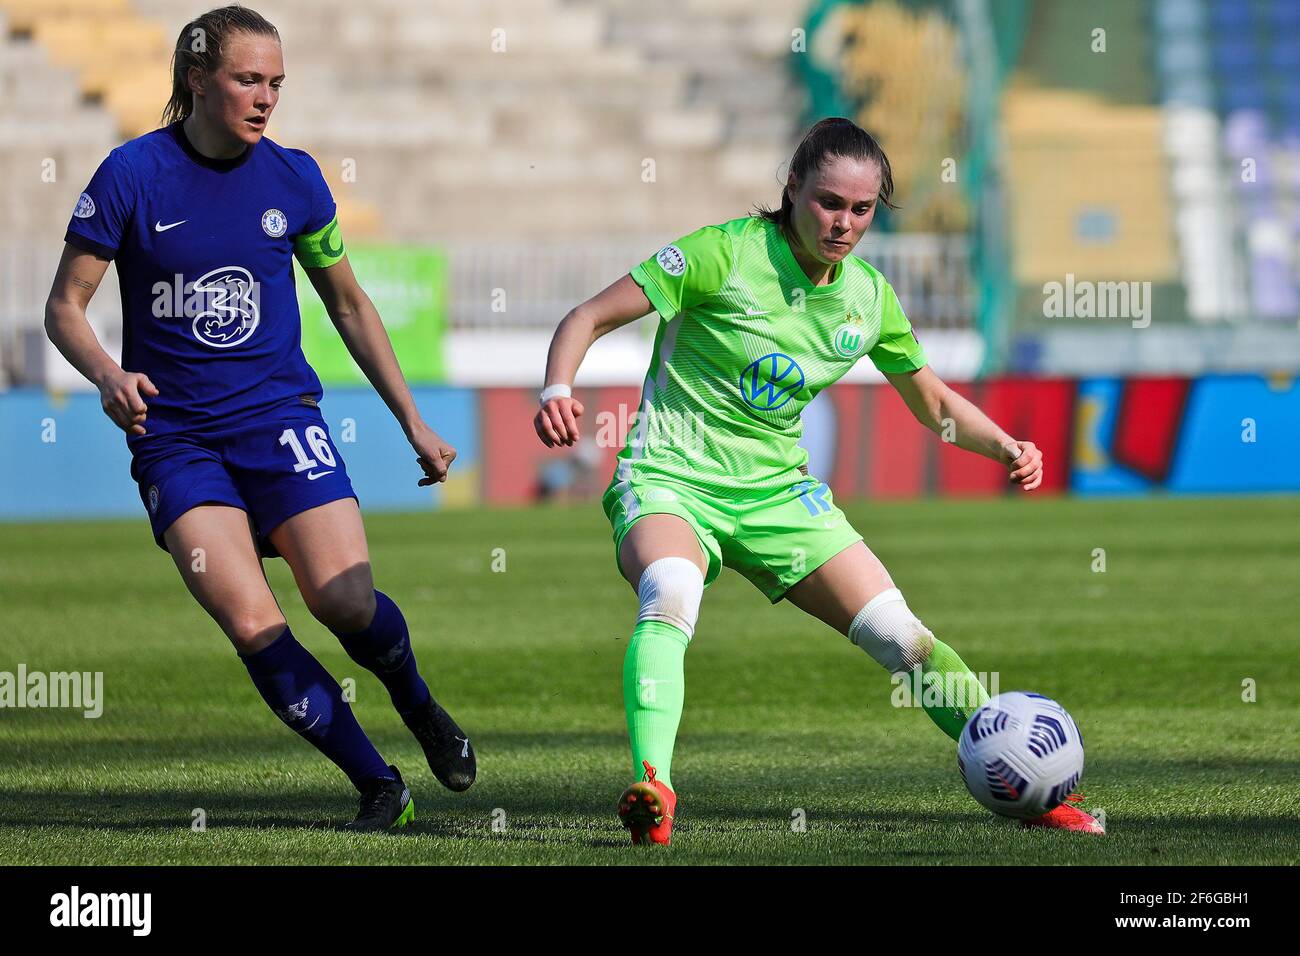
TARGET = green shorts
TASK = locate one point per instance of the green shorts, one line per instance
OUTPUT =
(774, 540)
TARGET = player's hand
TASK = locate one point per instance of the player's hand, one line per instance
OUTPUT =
(435, 455)
(1025, 463)
(557, 422)
(122, 397)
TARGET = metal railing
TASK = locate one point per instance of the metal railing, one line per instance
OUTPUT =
(516, 287)
(530, 286)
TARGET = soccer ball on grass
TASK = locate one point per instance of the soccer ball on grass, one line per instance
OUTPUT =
(1020, 754)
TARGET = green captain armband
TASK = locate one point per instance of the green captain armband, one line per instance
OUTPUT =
(324, 247)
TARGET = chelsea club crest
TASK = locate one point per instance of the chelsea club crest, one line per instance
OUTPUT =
(274, 223)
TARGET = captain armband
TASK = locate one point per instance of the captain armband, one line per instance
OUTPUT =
(319, 249)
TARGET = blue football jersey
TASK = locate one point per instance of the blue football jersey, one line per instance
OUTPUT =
(204, 251)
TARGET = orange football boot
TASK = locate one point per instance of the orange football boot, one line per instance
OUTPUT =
(1068, 817)
(647, 809)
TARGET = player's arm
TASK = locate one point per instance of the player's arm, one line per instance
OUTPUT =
(121, 393)
(363, 332)
(935, 404)
(556, 422)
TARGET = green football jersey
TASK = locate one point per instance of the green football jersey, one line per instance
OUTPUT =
(745, 342)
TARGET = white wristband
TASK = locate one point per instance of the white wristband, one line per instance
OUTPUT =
(555, 391)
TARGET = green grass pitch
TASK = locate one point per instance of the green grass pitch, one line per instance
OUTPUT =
(784, 721)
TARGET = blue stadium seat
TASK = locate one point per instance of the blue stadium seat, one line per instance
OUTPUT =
(1229, 15)
(1243, 93)
(1288, 97)
(1285, 15)
(1234, 55)
(1284, 53)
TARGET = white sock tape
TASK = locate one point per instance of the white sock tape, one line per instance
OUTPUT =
(670, 590)
(887, 629)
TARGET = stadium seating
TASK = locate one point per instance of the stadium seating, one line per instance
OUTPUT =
(439, 121)
(415, 98)
(451, 112)
(1230, 84)
(1087, 178)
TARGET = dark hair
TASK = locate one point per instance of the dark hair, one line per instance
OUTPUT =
(835, 136)
(202, 43)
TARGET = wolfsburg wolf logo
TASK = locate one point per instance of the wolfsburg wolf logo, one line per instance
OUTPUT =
(228, 313)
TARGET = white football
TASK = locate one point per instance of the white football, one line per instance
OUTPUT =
(1020, 754)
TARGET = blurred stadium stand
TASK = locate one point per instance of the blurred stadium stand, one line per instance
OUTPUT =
(525, 165)
(514, 135)
(1128, 165)
(491, 164)
(1230, 77)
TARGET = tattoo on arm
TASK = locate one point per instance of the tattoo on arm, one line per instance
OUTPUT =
(82, 283)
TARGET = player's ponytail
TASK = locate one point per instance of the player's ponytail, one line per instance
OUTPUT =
(835, 136)
(201, 44)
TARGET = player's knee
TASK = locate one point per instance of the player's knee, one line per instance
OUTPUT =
(670, 590)
(346, 615)
(251, 631)
(346, 604)
(887, 630)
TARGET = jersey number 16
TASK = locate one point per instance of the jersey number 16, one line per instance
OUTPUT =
(320, 446)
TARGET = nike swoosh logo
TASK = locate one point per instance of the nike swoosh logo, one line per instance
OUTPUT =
(749, 311)
(159, 227)
(313, 475)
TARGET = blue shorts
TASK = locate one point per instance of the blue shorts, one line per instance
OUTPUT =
(273, 467)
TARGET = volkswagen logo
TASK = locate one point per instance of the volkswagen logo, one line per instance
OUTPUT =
(769, 382)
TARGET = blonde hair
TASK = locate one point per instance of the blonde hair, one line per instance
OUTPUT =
(201, 44)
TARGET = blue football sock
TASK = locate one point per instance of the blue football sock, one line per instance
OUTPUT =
(304, 695)
(384, 649)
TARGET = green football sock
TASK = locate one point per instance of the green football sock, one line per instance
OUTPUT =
(654, 687)
(962, 693)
